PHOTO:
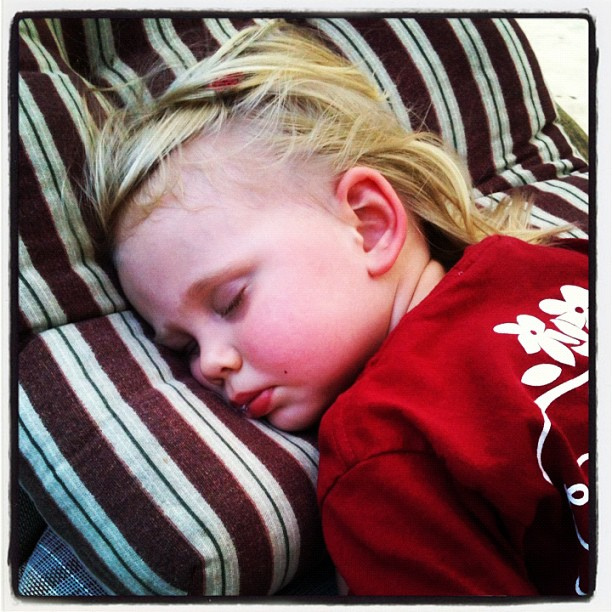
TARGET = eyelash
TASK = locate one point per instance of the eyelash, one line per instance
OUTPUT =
(224, 312)
(232, 306)
(190, 349)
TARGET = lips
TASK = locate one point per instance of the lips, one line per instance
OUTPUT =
(256, 404)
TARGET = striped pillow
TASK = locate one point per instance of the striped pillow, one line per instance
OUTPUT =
(157, 487)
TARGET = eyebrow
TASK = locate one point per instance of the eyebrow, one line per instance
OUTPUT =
(204, 284)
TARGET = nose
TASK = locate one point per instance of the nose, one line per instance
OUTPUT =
(217, 361)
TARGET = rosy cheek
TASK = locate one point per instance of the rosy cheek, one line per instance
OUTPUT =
(280, 348)
(279, 337)
(263, 343)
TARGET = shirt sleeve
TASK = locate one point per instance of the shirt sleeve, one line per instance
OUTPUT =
(396, 524)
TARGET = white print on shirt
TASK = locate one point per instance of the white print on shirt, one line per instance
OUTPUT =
(568, 336)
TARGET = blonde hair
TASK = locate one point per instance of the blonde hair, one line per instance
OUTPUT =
(303, 100)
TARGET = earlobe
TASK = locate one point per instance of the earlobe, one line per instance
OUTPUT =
(381, 218)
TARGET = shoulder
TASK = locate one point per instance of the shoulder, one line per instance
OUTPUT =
(500, 274)
(517, 254)
(446, 364)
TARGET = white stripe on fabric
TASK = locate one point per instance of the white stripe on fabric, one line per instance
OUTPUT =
(584, 174)
(36, 300)
(166, 42)
(51, 175)
(301, 450)
(547, 150)
(221, 29)
(543, 219)
(490, 92)
(567, 166)
(434, 74)
(104, 60)
(571, 194)
(63, 484)
(258, 483)
(527, 177)
(147, 460)
(55, 28)
(539, 218)
(356, 49)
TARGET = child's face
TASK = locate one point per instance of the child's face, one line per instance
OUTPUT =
(269, 295)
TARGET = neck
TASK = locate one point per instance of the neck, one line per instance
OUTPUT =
(414, 288)
(432, 274)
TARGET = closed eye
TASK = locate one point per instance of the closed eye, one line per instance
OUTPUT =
(234, 304)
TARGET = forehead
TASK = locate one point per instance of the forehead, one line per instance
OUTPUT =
(233, 166)
(241, 162)
(230, 179)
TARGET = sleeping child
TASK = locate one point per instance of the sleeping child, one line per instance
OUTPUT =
(320, 265)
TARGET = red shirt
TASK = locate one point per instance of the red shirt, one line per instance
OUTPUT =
(457, 464)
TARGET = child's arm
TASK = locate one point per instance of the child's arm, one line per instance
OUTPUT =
(395, 525)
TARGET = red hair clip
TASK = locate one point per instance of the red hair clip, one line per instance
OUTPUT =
(225, 82)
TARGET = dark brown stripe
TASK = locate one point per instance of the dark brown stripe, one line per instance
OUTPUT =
(75, 45)
(556, 204)
(462, 79)
(402, 70)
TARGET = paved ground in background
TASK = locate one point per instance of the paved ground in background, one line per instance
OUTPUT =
(562, 48)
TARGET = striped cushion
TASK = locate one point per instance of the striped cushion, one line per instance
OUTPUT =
(156, 486)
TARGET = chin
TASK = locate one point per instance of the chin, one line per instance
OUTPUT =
(294, 418)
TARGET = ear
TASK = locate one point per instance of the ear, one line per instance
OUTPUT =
(381, 218)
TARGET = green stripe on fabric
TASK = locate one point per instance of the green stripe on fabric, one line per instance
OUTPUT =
(357, 50)
(220, 29)
(542, 218)
(30, 130)
(434, 74)
(29, 34)
(55, 27)
(543, 143)
(475, 52)
(573, 195)
(188, 401)
(26, 305)
(526, 176)
(304, 452)
(69, 492)
(526, 76)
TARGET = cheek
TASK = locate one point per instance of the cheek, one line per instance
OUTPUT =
(292, 339)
